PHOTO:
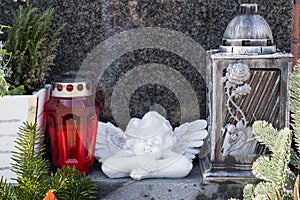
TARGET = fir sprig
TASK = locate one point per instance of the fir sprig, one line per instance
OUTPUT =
(295, 105)
(29, 165)
(31, 168)
(68, 184)
(273, 169)
(7, 191)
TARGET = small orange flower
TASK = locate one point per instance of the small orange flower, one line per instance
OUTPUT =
(50, 196)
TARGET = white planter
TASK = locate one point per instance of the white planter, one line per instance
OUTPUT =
(14, 110)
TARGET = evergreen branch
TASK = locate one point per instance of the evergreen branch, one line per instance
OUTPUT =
(29, 165)
(274, 169)
(295, 104)
(248, 192)
(33, 43)
(6, 190)
(32, 170)
(261, 168)
(266, 134)
(295, 159)
(69, 184)
(262, 189)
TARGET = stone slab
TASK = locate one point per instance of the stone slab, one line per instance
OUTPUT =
(187, 188)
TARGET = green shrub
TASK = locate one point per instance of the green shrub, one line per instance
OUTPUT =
(5, 72)
(33, 44)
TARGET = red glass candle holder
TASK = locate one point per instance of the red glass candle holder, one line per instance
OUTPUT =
(72, 120)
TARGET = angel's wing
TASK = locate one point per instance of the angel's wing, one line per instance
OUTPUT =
(110, 139)
(189, 138)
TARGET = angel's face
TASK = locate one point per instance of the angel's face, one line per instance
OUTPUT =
(148, 145)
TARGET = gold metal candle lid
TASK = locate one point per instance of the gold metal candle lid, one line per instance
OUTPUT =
(71, 89)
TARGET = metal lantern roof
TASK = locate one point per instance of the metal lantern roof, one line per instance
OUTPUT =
(248, 33)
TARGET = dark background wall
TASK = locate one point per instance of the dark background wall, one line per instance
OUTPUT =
(203, 20)
(89, 22)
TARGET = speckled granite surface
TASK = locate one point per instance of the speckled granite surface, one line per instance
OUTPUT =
(92, 22)
(188, 188)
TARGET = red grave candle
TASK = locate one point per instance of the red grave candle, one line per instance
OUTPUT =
(72, 119)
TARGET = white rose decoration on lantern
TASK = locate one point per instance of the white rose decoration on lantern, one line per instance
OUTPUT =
(237, 73)
(237, 132)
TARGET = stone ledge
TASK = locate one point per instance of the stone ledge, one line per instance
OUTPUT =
(187, 188)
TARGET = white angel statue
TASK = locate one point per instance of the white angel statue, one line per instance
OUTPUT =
(149, 148)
